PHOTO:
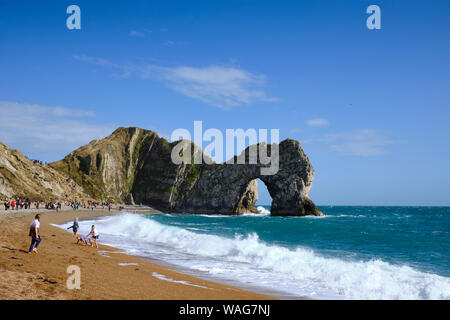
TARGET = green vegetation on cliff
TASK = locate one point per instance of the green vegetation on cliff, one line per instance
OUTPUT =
(106, 168)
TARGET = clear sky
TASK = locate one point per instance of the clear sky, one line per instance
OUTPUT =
(370, 107)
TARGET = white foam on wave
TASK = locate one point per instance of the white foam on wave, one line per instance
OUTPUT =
(262, 212)
(247, 259)
(215, 215)
(187, 283)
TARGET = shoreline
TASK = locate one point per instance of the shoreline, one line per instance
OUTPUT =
(106, 273)
(224, 281)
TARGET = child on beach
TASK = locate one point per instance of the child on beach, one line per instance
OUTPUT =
(93, 235)
(75, 227)
(34, 234)
(82, 239)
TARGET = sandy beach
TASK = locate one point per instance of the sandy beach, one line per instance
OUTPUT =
(106, 273)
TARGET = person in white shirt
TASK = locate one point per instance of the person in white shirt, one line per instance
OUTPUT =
(34, 234)
(93, 235)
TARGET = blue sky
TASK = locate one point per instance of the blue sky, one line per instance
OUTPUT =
(370, 107)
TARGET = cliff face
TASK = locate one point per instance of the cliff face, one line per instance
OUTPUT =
(106, 168)
(133, 164)
(20, 176)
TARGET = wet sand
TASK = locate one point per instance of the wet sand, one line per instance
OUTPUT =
(106, 273)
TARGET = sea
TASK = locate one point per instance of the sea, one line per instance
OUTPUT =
(353, 252)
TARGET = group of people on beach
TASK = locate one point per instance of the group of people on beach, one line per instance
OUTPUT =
(18, 202)
(91, 239)
(89, 205)
(53, 206)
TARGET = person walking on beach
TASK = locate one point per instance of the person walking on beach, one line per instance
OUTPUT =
(93, 235)
(34, 234)
(75, 227)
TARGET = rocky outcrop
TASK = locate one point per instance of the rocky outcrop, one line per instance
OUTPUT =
(106, 168)
(20, 176)
(232, 188)
(135, 166)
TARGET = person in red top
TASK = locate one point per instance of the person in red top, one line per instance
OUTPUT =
(13, 204)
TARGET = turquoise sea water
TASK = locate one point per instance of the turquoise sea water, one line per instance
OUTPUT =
(351, 253)
(414, 236)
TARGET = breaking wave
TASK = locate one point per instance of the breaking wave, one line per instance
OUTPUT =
(245, 258)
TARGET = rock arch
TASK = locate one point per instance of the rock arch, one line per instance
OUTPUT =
(231, 188)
